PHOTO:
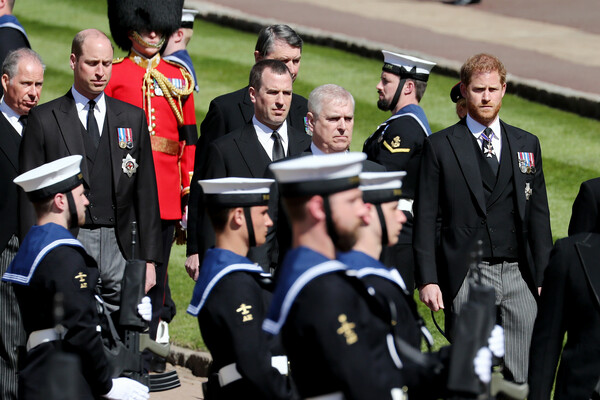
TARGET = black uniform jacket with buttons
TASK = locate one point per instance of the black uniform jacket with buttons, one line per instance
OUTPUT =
(450, 198)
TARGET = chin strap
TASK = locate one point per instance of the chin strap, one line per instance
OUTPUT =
(384, 233)
(397, 94)
(329, 221)
(136, 36)
(251, 235)
(74, 222)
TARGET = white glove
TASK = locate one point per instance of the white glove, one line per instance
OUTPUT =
(184, 219)
(483, 364)
(127, 389)
(496, 341)
(145, 308)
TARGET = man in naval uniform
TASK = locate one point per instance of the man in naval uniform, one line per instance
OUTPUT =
(22, 80)
(381, 192)
(482, 179)
(398, 142)
(118, 168)
(51, 261)
(335, 344)
(232, 295)
(165, 91)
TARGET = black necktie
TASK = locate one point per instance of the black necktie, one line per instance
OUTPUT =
(278, 152)
(23, 120)
(92, 125)
(488, 149)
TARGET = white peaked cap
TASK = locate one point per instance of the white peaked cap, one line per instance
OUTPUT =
(54, 177)
(322, 174)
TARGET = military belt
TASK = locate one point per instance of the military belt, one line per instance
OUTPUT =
(164, 145)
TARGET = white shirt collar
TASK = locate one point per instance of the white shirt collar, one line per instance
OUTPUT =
(81, 105)
(476, 128)
(264, 133)
(11, 116)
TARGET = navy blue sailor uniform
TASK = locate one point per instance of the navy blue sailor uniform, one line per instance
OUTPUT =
(50, 261)
(389, 289)
(231, 299)
(397, 144)
(334, 344)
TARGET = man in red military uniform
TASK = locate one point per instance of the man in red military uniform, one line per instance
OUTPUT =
(164, 90)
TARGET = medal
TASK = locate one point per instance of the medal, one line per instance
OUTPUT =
(125, 137)
(528, 191)
(129, 165)
(488, 150)
(526, 162)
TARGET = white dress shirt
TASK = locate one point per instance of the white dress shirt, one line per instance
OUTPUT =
(264, 133)
(81, 103)
(477, 129)
(11, 116)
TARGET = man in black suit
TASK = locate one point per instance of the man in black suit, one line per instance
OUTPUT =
(113, 138)
(246, 152)
(22, 79)
(585, 216)
(233, 110)
(569, 304)
(482, 179)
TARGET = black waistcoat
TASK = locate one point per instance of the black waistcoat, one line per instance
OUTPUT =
(499, 237)
(101, 210)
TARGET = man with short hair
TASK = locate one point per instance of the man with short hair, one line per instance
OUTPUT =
(247, 151)
(118, 167)
(335, 344)
(232, 111)
(232, 295)
(12, 33)
(22, 80)
(398, 142)
(482, 179)
(51, 262)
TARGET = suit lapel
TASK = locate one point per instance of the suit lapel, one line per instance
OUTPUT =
(588, 255)
(515, 145)
(297, 141)
(112, 122)
(70, 129)
(247, 107)
(9, 142)
(252, 152)
(462, 145)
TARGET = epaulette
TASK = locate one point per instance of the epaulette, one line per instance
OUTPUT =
(118, 60)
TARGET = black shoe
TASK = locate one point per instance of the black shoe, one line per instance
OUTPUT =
(158, 364)
(465, 2)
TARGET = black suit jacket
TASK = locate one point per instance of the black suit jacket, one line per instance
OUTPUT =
(9, 169)
(585, 216)
(570, 304)
(238, 154)
(54, 131)
(450, 190)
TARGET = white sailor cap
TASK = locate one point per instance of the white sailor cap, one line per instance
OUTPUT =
(325, 174)
(59, 176)
(406, 66)
(187, 18)
(381, 187)
(236, 192)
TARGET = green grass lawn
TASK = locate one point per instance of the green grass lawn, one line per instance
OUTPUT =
(223, 58)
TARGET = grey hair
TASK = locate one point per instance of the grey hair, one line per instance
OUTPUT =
(10, 66)
(269, 34)
(327, 93)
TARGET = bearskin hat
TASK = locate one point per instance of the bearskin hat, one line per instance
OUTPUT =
(142, 15)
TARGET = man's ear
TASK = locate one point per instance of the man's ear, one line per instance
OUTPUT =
(257, 56)
(310, 121)
(252, 93)
(315, 208)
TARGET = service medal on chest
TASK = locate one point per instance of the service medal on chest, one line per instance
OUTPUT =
(528, 191)
(129, 165)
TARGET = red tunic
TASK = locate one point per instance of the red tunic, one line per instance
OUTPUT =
(137, 80)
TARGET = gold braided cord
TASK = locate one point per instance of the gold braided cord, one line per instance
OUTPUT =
(169, 90)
